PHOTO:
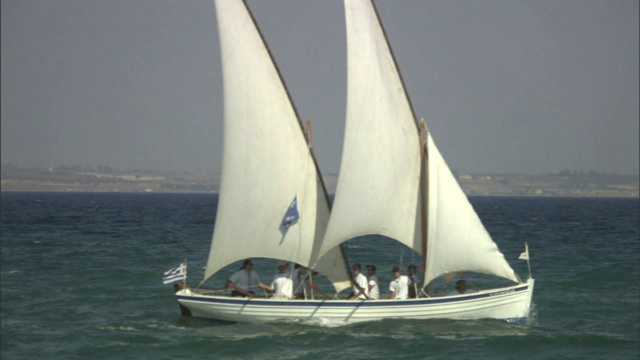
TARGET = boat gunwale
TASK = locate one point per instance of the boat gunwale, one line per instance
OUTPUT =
(194, 297)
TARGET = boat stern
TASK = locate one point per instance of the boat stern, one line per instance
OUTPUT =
(180, 289)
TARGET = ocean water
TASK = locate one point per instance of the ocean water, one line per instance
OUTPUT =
(81, 279)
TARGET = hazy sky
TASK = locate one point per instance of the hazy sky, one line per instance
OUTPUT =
(505, 86)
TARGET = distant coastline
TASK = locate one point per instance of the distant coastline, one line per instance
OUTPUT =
(74, 179)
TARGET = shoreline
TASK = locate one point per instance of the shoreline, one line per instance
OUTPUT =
(330, 194)
(590, 185)
(483, 185)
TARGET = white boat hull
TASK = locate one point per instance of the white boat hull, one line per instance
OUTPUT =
(511, 304)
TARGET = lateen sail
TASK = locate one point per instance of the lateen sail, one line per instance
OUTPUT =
(457, 239)
(378, 188)
(266, 161)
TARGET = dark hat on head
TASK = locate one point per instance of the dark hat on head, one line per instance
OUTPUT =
(356, 267)
(371, 267)
(395, 268)
(412, 267)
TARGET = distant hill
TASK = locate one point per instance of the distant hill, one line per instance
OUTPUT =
(565, 183)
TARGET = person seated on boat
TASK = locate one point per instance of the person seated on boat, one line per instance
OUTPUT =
(399, 286)
(374, 290)
(360, 286)
(414, 282)
(281, 285)
(461, 288)
(244, 279)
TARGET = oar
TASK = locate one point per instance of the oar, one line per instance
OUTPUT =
(242, 291)
(316, 287)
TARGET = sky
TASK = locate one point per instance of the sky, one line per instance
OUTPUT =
(530, 87)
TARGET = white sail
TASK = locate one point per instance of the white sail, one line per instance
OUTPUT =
(457, 239)
(266, 161)
(377, 191)
(384, 188)
(378, 188)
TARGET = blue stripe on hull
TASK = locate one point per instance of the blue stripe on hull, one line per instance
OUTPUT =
(349, 303)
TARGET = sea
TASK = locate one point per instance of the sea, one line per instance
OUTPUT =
(81, 278)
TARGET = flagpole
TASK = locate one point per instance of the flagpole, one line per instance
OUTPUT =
(184, 281)
(526, 250)
(525, 256)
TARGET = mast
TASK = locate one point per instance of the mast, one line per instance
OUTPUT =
(424, 195)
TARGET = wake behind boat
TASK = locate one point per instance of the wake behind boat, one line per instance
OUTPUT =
(393, 183)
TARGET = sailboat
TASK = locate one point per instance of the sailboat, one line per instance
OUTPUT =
(400, 188)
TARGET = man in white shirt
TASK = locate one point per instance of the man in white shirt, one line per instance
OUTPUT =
(399, 286)
(282, 284)
(372, 285)
(360, 287)
(244, 279)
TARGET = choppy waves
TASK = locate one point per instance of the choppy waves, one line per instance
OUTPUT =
(81, 278)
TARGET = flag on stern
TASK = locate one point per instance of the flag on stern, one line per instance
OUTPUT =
(175, 274)
(291, 216)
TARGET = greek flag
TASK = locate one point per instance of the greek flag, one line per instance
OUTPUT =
(175, 274)
(292, 215)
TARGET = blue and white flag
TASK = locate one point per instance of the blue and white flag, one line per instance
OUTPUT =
(292, 215)
(175, 274)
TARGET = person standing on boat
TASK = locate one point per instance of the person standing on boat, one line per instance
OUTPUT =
(414, 282)
(281, 285)
(244, 279)
(399, 286)
(374, 290)
(300, 275)
(360, 285)
(461, 288)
